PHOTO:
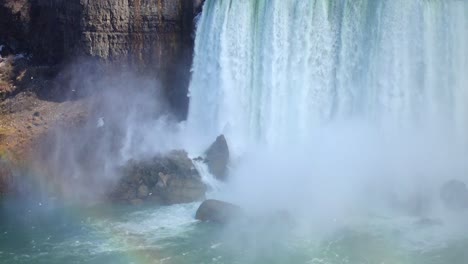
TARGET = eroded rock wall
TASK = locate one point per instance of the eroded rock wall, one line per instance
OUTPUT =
(149, 36)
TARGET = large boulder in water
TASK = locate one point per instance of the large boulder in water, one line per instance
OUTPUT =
(217, 158)
(165, 179)
(454, 195)
(218, 212)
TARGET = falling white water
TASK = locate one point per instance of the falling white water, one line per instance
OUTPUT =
(266, 71)
(213, 184)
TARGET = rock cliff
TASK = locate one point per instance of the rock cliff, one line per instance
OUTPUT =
(150, 36)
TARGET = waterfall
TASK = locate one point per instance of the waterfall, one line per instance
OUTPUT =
(271, 70)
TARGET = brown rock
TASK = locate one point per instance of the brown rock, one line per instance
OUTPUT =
(167, 179)
(143, 191)
(106, 29)
(150, 36)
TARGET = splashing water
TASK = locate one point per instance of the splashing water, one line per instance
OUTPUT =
(328, 78)
(264, 70)
(328, 103)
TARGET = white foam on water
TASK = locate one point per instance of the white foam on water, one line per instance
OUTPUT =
(145, 229)
(214, 186)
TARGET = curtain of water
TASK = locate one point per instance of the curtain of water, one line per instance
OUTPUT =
(268, 70)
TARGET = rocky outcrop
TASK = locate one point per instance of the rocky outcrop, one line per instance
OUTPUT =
(6, 73)
(454, 195)
(151, 36)
(135, 29)
(14, 24)
(165, 179)
(217, 158)
(218, 212)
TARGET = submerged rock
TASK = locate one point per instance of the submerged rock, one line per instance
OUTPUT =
(217, 158)
(218, 211)
(166, 179)
(454, 195)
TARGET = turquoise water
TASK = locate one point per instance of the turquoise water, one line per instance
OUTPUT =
(272, 72)
(42, 233)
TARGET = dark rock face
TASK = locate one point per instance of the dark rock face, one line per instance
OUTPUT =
(5, 175)
(454, 195)
(140, 30)
(217, 158)
(14, 23)
(169, 179)
(198, 6)
(150, 36)
(218, 212)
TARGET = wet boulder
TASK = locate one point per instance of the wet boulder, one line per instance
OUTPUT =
(454, 195)
(164, 179)
(218, 212)
(175, 189)
(217, 158)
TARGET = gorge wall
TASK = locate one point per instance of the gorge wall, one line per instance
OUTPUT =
(149, 36)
